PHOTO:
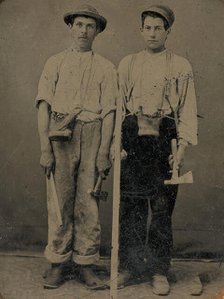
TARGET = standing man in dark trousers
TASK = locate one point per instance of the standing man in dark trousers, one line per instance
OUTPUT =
(76, 102)
(157, 88)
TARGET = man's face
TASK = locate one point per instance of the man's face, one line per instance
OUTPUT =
(83, 32)
(154, 33)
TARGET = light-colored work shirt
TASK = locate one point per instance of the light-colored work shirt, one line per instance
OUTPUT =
(73, 80)
(143, 81)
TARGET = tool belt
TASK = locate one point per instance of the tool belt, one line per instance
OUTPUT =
(130, 130)
(62, 125)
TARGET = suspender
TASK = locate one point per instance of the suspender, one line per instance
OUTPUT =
(169, 69)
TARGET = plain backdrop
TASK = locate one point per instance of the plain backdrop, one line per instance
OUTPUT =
(30, 32)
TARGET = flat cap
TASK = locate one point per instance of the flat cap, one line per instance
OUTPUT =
(162, 10)
(88, 11)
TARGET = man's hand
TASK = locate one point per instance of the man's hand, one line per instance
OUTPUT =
(180, 158)
(103, 164)
(112, 153)
(47, 162)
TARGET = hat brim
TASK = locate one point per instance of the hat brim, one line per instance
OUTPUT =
(160, 12)
(102, 21)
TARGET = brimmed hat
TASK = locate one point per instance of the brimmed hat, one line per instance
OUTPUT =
(162, 10)
(88, 11)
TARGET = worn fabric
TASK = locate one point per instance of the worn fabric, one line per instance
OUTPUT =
(85, 82)
(160, 104)
(142, 187)
(75, 176)
(73, 80)
(143, 81)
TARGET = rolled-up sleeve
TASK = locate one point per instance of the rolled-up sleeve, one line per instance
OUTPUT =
(187, 112)
(47, 83)
(109, 91)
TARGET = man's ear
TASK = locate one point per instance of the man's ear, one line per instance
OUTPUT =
(70, 26)
(168, 32)
(141, 29)
(97, 31)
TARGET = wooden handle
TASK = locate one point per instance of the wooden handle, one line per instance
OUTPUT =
(174, 147)
(116, 203)
(55, 199)
(174, 153)
(98, 184)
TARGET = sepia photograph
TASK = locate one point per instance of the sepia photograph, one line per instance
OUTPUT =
(112, 149)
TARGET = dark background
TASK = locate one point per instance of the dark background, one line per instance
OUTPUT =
(30, 32)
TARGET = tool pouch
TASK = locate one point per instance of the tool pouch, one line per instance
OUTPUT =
(61, 127)
(130, 129)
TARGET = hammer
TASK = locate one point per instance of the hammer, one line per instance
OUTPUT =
(187, 178)
(96, 192)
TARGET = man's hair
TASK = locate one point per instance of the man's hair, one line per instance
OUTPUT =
(72, 18)
(155, 15)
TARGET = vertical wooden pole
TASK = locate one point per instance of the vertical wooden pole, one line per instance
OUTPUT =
(116, 204)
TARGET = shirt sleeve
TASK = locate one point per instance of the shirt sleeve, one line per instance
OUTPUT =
(109, 91)
(47, 83)
(187, 112)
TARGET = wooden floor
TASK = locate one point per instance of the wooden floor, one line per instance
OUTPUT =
(21, 278)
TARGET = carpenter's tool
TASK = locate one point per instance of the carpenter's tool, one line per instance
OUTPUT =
(116, 203)
(60, 131)
(187, 178)
(96, 192)
(51, 184)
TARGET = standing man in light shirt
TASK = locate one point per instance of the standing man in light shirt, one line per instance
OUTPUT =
(158, 91)
(76, 102)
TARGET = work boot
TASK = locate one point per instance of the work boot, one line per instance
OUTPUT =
(53, 277)
(160, 285)
(123, 279)
(90, 279)
(195, 286)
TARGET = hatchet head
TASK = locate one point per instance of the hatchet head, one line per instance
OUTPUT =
(100, 195)
(187, 178)
(96, 192)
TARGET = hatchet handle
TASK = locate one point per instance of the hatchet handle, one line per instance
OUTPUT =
(174, 153)
(54, 196)
(98, 184)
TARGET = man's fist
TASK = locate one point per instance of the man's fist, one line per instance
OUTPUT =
(103, 164)
(47, 162)
(180, 158)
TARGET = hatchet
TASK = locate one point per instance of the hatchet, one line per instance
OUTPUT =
(187, 178)
(51, 185)
(96, 192)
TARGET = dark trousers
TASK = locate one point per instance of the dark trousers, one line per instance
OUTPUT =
(142, 188)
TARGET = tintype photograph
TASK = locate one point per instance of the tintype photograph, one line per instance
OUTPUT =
(112, 149)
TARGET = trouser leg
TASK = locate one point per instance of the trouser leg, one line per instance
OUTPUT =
(132, 232)
(86, 213)
(59, 248)
(160, 240)
(133, 216)
(162, 201)
(143, 173)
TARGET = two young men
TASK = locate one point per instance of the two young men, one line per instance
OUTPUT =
(157, 89)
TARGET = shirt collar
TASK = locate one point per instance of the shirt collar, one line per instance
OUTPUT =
(75, 51)
(154, 54)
